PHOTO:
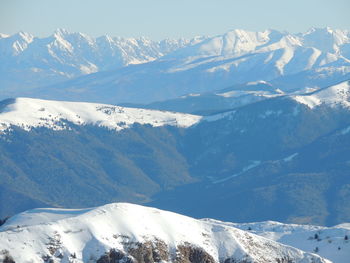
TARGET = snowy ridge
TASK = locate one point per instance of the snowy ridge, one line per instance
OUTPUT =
(335, 95)
(28, 113)
(58, 234)
(332, 243)
(221, 100)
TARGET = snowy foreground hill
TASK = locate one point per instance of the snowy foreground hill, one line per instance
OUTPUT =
(122, 232)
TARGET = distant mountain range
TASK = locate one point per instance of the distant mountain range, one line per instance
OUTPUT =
(282, 158)
(29, 62)
(145, 71)
(122, 232)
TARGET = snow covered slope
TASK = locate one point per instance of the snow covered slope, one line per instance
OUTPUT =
(29, 113)
(132, 233)
(332, 243)
(335, 95)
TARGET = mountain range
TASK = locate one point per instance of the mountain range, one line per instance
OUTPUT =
(145, 71)
(240, 127)
(29, 62)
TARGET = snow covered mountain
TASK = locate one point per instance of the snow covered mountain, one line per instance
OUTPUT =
(122, 232)
(28, 61)
(287, 61)
(30, 113)
(336, 95)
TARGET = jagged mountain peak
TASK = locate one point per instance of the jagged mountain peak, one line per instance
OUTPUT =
(61, 32)
(24, 36)
(15, 44)
(76, 39)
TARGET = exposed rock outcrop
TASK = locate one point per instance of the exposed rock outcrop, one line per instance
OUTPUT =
(190, 254)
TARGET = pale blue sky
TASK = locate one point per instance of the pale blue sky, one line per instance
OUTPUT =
(160, 19)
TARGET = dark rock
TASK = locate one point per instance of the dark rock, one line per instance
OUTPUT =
(188, 253)
(150, 251)
(284, 260)
(115, 256)
(7, 257)
(3, 221)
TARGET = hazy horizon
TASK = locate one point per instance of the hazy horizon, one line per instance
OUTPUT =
(159, 19)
